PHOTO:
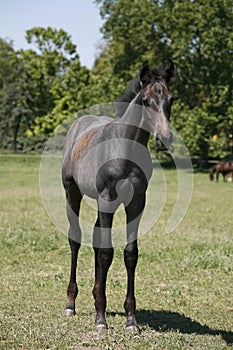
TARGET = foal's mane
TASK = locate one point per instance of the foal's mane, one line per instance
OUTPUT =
(134, 87)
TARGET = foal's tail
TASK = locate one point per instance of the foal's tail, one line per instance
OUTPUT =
(213, 170)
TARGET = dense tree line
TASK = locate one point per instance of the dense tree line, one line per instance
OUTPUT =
(40, 87)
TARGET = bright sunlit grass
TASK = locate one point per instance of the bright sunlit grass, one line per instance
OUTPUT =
(183, 282)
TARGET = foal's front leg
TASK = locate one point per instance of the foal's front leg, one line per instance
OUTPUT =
(103, 258)
(133, 211)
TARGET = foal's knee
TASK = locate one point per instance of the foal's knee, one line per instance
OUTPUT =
(131, 255)
(105, 257)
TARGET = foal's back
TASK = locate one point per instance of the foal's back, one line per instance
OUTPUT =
(79, 138)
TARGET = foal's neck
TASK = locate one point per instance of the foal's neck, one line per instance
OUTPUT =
(133, 119)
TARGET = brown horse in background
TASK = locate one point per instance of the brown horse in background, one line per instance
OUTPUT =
(224, 168)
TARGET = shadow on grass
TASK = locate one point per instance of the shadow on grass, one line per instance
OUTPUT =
(167, 320)
(164, 321)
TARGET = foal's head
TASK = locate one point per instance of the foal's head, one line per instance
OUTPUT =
(156, 96)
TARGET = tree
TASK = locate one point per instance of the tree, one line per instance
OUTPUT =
(15, 96)
(198, 37)
(130, 39)
(48, 64)
(40, 87)
(6, 54)
(59, 80)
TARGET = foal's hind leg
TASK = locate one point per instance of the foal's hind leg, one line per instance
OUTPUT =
(74, 197)
(133, 211)
(102, 245)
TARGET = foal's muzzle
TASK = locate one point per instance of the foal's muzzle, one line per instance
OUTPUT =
(161, 143)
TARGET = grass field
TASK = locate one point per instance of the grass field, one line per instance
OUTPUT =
(184, 280)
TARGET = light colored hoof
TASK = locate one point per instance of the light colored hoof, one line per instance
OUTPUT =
(69, 312)
(132, 329)
(102, 328)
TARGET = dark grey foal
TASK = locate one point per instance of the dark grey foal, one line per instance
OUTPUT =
(108, 160)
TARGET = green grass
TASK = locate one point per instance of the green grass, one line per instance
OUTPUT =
(184, 279)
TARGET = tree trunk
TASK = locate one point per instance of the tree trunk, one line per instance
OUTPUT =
(15, 133)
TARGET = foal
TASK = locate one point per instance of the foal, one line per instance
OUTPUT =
(108, 160)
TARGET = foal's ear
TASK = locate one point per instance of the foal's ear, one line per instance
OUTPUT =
(145, 74)
(169, 71)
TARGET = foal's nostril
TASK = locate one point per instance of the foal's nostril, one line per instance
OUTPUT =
(163, 143)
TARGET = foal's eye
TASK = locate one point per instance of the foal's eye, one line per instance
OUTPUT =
(172, 99)
(145, 101)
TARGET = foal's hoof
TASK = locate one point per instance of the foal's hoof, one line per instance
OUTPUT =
(69, 312)
(101, 325)
(132, 329)
(131, 325)
(102, 328)
(70, 309)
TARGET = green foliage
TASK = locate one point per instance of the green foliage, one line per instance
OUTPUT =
(6, 54)
(48, 83)
(221, 144)
(25, 144)
(206, 135)
(131, 39)
(198, 36)
(51, 41)
(58, 76)
(43, 86)
(16, 99)
(194, 126)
